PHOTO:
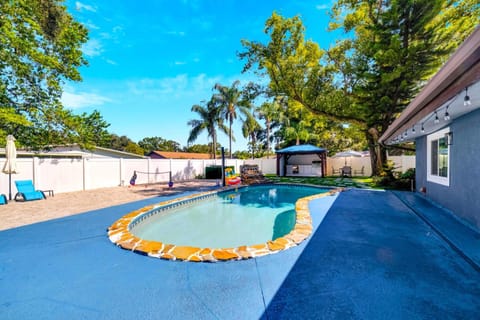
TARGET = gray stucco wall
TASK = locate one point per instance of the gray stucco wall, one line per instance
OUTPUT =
(462, 196)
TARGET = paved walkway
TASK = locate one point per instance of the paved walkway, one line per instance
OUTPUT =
(371, 257)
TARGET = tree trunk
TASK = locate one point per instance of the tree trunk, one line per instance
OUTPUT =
(214, 146)
(378, 154)
(230, 138)
(268, 138)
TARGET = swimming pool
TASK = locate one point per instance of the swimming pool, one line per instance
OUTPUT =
(234, 224)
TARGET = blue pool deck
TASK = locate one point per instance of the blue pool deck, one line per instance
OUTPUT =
(375, 255)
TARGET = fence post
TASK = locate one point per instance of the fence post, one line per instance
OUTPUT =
(121, 172)
(35, 166)
(84, 175)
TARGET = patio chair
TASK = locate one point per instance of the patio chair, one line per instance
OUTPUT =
(335, 171)
(27, 191)
(346, 171)
(3, 199)
(360, 172)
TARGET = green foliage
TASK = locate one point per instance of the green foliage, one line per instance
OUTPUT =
(123, 143)
(210, 120)
(40, 48)
(150, 144)
(251, 129)
(132, 147)
(242, 155)
(199, 148)
(92, 130)
(366, 80)
(230, 100)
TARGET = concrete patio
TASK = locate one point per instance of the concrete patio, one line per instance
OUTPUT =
(376, 255)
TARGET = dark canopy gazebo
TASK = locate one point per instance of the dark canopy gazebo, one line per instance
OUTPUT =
(298, 153)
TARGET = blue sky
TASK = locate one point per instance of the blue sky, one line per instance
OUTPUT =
(151, 60)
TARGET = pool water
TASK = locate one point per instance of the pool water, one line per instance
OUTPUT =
(247, 216)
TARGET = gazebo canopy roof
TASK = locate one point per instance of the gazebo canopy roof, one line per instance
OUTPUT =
(302, 149)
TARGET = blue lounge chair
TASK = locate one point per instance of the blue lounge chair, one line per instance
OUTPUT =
(27, 191)
(3, 199)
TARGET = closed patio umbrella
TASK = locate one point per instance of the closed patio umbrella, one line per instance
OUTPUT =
(11, 162)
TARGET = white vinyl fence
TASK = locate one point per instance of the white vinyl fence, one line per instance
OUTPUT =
(69, 174)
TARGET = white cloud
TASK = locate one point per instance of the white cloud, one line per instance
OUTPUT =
(79, 100)
(111, 62)
(180, 85)
(80, 6)
(90, 25)
(92, 48)
(179, 63)
(175, 33)
(322, 7)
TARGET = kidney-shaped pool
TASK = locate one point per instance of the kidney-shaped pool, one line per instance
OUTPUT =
(234, 224)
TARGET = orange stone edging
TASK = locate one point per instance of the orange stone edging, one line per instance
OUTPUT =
(119, 234)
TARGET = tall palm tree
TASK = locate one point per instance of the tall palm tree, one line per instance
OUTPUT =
(250, 129)
(210, 120)
(270, 112)
(230, 99)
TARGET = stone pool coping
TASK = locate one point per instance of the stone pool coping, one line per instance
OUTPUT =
(119, 233)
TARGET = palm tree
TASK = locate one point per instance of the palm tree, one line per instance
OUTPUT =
(297, 129)
(250, 129)
(270, 111)
(230, 99)
(210, 119)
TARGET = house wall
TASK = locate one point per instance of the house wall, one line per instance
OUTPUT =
(461, 196)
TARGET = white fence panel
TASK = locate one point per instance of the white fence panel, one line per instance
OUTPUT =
(403, 163)
(357, 163)
(59, 174)
(68, 175)
(131, 165)
(25, 172)
(158, 171)
(101, 173)
(266, 166)
(183, 170)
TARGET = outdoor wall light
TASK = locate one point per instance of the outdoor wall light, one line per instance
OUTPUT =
(436, 118)
(449, 138)
(466, 100)
(447, 115)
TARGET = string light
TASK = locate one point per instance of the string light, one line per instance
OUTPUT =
(436, 118)
(423, 129)
(447, 115)
(413, 129)
(466, 100)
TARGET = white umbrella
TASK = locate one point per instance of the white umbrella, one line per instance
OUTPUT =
(348, 154)
(11, 162)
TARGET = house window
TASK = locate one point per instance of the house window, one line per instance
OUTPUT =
(438, 157)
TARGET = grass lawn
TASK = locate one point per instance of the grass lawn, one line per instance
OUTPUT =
(334, 181)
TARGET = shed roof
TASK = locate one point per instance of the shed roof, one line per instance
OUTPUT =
(302, 149)
(180, 155)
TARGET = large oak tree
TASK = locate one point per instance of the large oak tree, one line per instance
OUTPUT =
(390, 49)
(40, 49)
